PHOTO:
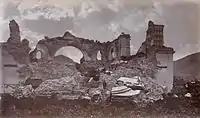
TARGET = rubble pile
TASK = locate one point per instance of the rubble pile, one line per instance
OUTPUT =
(152, 92)
(23, 92)
(54, 69)
(193, 91)
(135, 67)
(142, 68)
(66, 84)
(60, 76)
(139, 66)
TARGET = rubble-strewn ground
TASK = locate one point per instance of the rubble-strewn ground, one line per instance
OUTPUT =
(170, 107)
(60, 75)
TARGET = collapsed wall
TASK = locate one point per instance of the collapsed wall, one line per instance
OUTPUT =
(16, 47)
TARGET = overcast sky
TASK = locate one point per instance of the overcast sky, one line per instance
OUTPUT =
(104, 20)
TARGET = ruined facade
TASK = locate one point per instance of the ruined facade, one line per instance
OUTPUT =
(16, 47)
(47, 47)
(17, 51)
(153, 47)
(14, 53)
(154, 38)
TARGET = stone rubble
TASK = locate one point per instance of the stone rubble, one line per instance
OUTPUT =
(67, 84)
(23, 92)
(193, 90)
(188, 95)
(138, 67)
(53, 69)
(67, 80)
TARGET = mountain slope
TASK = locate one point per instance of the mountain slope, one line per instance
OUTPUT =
(188, 66)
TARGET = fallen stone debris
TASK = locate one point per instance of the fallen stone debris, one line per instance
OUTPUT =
(23, 92)
(193, 91)
(188, 95)
(124, 81)
(59, 67)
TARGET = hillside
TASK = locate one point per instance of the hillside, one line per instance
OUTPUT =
(188, 66)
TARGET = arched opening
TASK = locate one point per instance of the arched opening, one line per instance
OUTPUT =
(99, 55)
(70, 52)
(38, 55)
(113, 54)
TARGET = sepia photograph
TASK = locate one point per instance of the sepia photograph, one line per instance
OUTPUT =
(100, 59)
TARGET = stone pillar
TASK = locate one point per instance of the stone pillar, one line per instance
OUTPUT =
(124, 41)
(166, 74)
(14, 31)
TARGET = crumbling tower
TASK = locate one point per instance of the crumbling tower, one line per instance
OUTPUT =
(124, 41)
(163, 55)
(154, 34)
(155, 50)
(154, 38)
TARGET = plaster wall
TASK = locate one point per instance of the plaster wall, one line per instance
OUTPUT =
(165, 76)
(10, 74)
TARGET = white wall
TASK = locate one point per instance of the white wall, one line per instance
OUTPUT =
(10, 74)
(165, 76)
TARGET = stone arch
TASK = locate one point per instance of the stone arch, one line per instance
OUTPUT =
(112, 53)
(99, 55)
(71, 52)
(38, 54)
(44, 51)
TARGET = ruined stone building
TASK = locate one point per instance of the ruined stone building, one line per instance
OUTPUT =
(154, 38)
(16, 52)
(153, 47)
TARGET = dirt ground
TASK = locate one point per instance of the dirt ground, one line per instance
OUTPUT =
(170, 107)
